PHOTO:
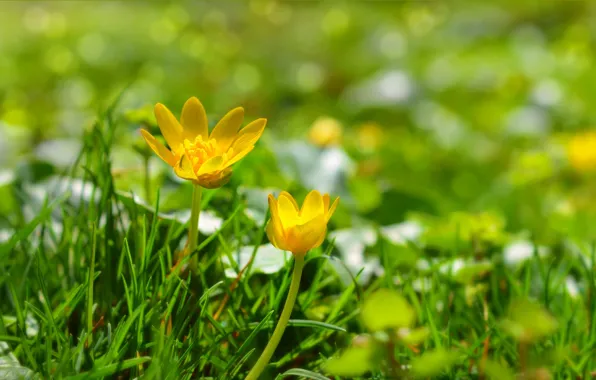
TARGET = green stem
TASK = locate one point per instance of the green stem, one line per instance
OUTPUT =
(193, 229)
(147, 181)
(256, 371)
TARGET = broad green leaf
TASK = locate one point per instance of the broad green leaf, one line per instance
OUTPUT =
(385, 309)
(354, 361)
(471, 272)
(528, 321)
(415, 336)
(433, 363)
(498, 371)
(10, 368)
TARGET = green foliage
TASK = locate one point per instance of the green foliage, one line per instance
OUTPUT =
(463, 231)
(465, 169)
(471, 272)
(386, 309)
(366, 193)
(415, 336)
(528, 321)
(498, 371)
(353, 361)
(433, 363)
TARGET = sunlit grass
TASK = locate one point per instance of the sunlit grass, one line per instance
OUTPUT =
(94, 287)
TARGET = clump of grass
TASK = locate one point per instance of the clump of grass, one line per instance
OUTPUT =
(93, 287)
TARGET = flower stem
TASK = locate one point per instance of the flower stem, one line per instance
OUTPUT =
(147, 181)
(256, 371)
(193, 229)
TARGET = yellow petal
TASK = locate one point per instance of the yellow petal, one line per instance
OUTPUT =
(238, 156)
(321, 239)
(169, 126)
(326, 202)
(304, 237)
(213, 164)
(312, 207)
(194, 120)
(288, 210)
(332, 209)
(159, 149)
(275, 238)
(273, 208)
(249, 135)
(290, 197)
(272, 234)
(226, 130)
(183, 169)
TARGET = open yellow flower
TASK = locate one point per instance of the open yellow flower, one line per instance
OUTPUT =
(196, 155)
(295, 229)
(581, 151)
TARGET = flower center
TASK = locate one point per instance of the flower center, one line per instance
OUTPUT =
(199, 151)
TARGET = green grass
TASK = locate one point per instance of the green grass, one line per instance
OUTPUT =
(89, 291)
(486, 142)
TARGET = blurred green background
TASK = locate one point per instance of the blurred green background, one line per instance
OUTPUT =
(400, 107)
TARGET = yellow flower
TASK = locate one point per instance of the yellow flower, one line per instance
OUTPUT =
(581, 151)
(325, 131)
(370, 136)
(196, 155)
(295, 229)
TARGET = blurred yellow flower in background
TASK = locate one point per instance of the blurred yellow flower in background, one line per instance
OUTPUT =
(370, 136)
(325, 131)
(581, 151)
(203, 158)
(295, 229)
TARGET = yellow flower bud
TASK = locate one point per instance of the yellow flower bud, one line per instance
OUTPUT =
(295, 229)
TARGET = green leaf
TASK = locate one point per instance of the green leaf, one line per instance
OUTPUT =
(304, 323)
(470, 272)
(354, 361)
(473, 291)
(366, 192)
(465, 231)
(528, 321)
(387, 309)
(10, 368)
(433, 363)
(302, 373)
(110, 369)
(497, 371)
(24, 232)
(415, 336)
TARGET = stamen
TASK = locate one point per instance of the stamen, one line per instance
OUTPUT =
(200, 151)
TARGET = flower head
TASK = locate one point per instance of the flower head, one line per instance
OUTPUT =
(196, 155)
(581, 151)
(370, 137)
(325, 131)
(295, 229)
